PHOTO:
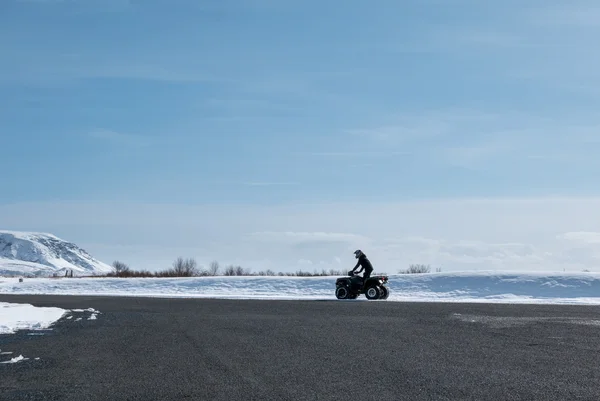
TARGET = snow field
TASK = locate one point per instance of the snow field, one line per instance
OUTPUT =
(503, 287)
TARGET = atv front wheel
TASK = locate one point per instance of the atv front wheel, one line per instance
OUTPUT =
(373, 292)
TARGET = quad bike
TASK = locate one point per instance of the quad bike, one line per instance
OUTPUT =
(351, 287)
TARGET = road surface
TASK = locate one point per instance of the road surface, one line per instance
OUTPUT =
(191, 349)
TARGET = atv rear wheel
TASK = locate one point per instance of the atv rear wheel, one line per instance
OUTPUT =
(342, 292)
(385, 292)
(373, 292)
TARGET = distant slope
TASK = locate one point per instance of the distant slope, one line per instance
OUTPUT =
(42, 254)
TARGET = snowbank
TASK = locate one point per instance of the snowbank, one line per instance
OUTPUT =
(15, 317)
(570, 288)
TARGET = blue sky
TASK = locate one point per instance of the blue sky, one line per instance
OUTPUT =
(258, 103)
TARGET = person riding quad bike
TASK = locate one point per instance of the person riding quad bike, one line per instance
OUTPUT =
(364, 263)
(353, 286)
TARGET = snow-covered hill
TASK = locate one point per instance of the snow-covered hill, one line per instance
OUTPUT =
(41, 254)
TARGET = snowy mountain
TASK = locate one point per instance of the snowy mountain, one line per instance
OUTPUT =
(41, 254)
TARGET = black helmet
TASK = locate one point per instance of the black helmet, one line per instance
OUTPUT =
(358, 253)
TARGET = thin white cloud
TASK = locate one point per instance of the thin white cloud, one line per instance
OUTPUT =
(469, 254)
(85, 5)
(44, 1)
(240, 104)
(477, 155)
(358, 154)
(485, 40)
(455, 234)
(585, 237)
(119, 138)
(300, 237)
(550, 45)
(476, 139)
(60, 70)
(582, 15)
(410, 128)
(269, 184)
(425, 125)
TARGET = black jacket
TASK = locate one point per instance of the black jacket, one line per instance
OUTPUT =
(365, 263)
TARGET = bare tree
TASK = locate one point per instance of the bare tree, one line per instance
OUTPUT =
(213, 269)
(416, 268)
(230, 271)
(120, 268)
(185, 267)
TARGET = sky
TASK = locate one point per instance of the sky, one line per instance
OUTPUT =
(285, 134)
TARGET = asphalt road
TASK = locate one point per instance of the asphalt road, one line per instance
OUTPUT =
(185, 349)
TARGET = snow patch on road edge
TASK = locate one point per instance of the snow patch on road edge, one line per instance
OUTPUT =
(14, 317)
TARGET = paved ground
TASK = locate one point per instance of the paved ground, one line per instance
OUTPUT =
(178, 349)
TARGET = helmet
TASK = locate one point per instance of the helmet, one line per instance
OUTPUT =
(358, 253)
